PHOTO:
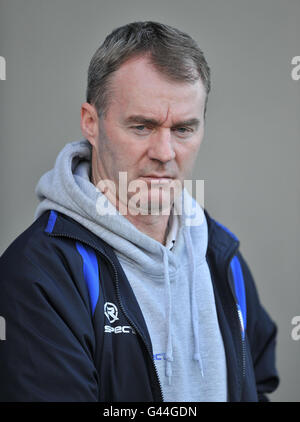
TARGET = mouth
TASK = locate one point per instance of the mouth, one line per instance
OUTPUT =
(157, 179)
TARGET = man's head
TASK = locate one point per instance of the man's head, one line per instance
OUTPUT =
(172, 52)
(146, 100)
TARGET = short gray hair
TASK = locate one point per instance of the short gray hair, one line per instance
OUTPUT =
(173, 52)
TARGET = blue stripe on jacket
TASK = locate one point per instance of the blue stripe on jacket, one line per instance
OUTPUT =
(239, 287)
(90, 272)
(51, 221)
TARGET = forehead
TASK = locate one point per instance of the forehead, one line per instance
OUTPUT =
(137, 87)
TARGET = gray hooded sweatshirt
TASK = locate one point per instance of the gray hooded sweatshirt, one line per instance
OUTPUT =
(171, 282)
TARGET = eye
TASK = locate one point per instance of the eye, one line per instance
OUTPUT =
(141, 129)
(183, 130)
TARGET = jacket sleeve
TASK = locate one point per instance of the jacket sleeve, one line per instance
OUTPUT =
(261, 332)
(48, 351)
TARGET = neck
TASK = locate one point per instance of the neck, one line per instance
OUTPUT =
(154, 226)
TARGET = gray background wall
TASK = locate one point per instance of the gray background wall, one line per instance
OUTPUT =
(249, 159)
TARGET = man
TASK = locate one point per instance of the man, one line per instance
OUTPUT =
(124, 288)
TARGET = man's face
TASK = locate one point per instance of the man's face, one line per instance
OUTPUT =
(152, 130)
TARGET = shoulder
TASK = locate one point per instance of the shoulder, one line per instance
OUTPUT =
(220, 237)
(25, 244)
(36, 258)
(224, 245)
(42, 272)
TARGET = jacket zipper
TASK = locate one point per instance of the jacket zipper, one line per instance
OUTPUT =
(242, 335)
(118, 296)
(134, 326)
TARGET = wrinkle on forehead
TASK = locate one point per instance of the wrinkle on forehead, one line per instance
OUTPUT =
(167, 116)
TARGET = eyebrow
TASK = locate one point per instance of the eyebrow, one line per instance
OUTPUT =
(153, 122)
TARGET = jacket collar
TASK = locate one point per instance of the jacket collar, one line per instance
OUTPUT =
(220, 239)
(63, 225)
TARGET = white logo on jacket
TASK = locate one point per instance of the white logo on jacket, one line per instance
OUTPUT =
(111, 313)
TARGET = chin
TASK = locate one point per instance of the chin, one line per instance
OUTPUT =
(153, 202)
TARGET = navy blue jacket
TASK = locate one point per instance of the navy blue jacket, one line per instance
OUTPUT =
(60, 289)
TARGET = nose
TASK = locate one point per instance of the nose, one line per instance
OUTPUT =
(161, 147)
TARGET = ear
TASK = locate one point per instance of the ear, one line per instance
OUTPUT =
(89, 123)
